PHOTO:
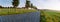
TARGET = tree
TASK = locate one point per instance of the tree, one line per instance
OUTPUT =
(33, 6)
(27, 3)
(0, 6)
(15, 3)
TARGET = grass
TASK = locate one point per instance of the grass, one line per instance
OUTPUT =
(50, 16)
(10, 11)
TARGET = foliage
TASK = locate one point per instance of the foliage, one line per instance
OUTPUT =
(50, 16)
(33, 6)
(15, 3)
(0, 6)
(27, 3)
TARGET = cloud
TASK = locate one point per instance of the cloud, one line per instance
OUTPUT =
(41, 4)
(49, 4)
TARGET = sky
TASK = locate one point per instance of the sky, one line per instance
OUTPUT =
(40, 4)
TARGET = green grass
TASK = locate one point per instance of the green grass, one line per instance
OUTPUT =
(10, 11)
(50, 16)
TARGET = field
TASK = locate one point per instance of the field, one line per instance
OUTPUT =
(50, 16)
(6, 11)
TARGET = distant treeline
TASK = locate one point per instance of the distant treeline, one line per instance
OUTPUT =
(5, 7)
(28, 5)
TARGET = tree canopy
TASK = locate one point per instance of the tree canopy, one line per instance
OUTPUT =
(15, 3)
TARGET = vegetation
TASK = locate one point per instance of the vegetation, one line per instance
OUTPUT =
(15, 3)
(27, 4)
(50, 16)
(14, 10)
(0, 6)
(32, 6)
(10, 11)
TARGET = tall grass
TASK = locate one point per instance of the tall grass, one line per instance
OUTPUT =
(50, 16)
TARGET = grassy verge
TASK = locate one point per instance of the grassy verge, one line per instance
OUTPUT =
(6, 11)
(50, 16)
